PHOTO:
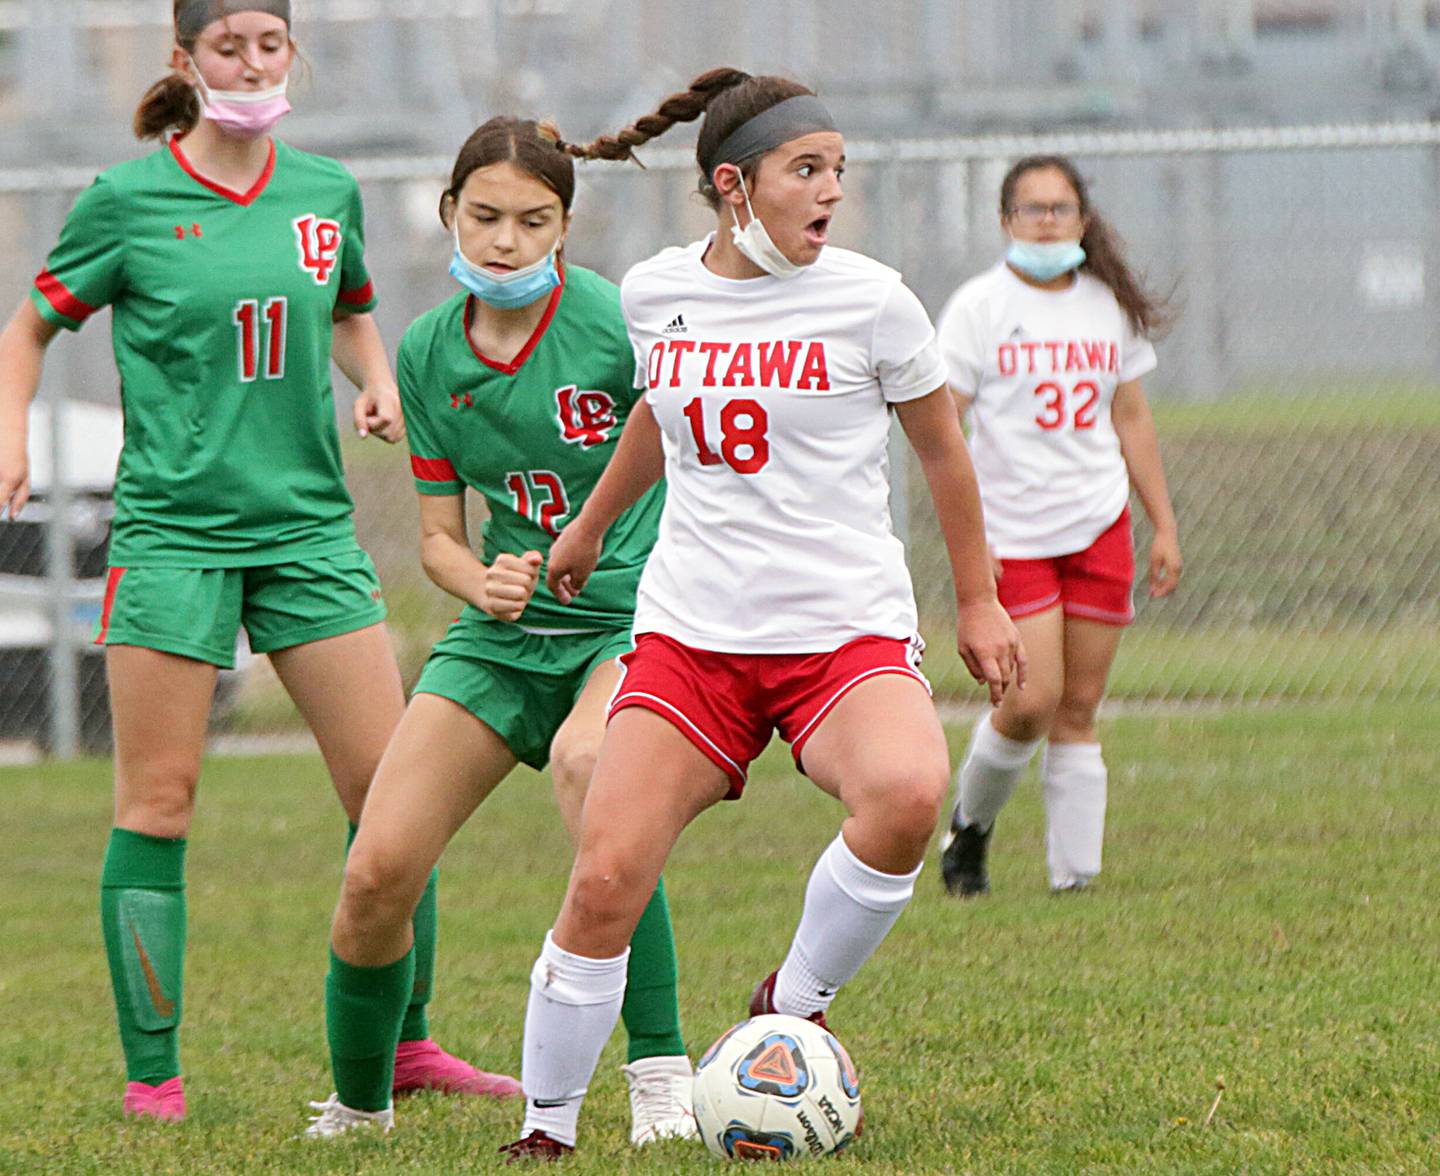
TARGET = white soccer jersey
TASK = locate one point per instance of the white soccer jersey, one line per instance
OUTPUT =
(772, 395)
(1043, 366)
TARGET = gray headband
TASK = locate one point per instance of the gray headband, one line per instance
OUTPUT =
(195, 16)
(802, 115)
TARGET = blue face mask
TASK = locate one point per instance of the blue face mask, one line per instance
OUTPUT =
(509, 291)
(1044, 260)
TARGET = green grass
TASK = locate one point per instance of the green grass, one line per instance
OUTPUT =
(1268, 410)
(1267, 914)
(1397, 662)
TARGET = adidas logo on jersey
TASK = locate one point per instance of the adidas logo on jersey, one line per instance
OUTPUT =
(676, 326)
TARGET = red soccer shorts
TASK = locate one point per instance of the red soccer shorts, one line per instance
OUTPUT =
(729, 704)
(1093, 584)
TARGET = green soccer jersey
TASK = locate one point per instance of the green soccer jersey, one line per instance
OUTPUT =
(223, 304)
(533, 436)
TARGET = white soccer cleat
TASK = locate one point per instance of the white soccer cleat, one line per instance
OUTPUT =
(660, 1105)
(335, 1118)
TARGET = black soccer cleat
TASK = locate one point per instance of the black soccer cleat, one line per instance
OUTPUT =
(962, 860)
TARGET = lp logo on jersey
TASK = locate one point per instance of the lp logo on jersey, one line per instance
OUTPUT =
(319, 246)
(586, 418)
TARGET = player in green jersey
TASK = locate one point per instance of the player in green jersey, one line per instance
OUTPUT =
(517, 388)
(235, 268)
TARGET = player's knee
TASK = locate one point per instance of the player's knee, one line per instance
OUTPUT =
(572, 762)
(908, 807)
(600, 890)
(1029, 713)
(378, 887)
(158, 797)
(1075, 713)
(918, 802)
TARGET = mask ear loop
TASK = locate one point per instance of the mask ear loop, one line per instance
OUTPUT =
(455, 232)
(749, 208)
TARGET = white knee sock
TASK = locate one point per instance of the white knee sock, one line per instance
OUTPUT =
(849, 909)
(993, 766)
(574, 1004)
(1075, 782)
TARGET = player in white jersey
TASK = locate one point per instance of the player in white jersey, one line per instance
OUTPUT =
(776, 596)
(1046, 350)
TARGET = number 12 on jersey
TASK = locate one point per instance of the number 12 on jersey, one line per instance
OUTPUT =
(540, 496)
(249, 320)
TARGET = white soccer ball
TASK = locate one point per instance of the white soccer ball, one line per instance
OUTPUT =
(777, 1088)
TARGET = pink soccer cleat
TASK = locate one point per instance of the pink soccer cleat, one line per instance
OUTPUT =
(165, 1103)
(423, 1065)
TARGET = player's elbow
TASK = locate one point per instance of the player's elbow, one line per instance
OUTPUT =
(437, 549)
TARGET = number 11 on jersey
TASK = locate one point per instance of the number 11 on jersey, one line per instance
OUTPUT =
(248, 319)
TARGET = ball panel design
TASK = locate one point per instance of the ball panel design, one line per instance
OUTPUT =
(741, 1143)
(775, 1066)
(849, 1076)
(777, 1087)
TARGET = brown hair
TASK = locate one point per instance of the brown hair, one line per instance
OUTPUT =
(1149, 314)
(533, 147)
(171, 103)
(726, 97)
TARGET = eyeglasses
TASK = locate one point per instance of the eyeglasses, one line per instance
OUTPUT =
(1067, 213)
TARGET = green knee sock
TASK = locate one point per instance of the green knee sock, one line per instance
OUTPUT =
(416, 1026)
(363, 1008)
(652, 1001)
(142, 914)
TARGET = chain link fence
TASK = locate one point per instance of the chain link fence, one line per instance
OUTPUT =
(1298, 399)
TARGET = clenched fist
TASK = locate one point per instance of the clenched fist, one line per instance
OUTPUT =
(509, 584)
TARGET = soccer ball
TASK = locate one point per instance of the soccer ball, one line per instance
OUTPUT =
(776, 1088)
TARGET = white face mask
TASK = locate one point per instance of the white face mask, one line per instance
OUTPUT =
(754, 242)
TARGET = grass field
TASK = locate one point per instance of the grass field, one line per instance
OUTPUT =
(1268, 913)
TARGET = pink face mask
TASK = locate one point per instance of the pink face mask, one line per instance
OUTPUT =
(246, 114)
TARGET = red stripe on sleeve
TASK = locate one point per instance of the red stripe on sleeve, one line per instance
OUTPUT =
(432, 469)
(112, 585)
(358, 297)
(60, 298)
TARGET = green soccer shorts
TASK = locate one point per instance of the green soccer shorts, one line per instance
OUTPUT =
(521, 685)
(197, 612)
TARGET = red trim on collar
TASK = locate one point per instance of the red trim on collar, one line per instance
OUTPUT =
(533, 342)
(243, 199)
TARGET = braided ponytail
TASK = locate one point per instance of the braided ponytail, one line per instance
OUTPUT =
(726, 97)
(686, 106)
